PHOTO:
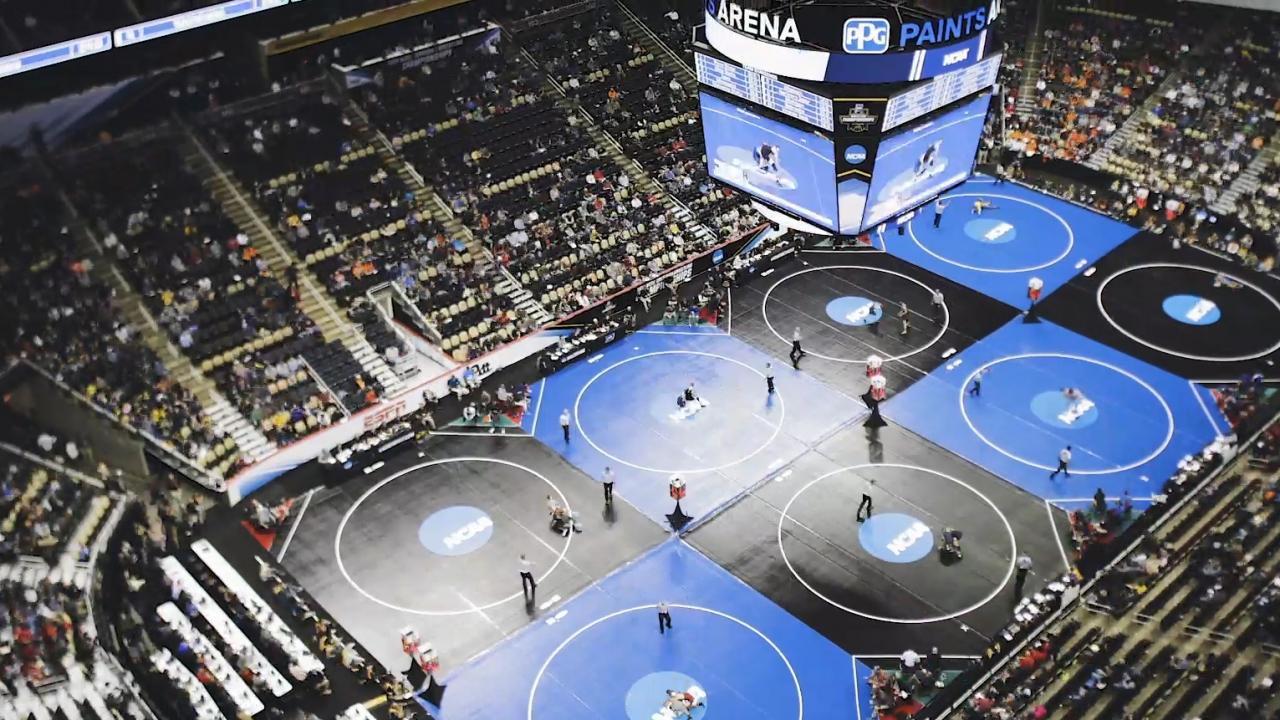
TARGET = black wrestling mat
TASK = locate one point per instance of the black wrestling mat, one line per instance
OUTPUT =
(846, 306)
(433, 542)
(1188, 311)
(882, 585)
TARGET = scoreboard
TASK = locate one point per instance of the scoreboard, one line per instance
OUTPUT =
(940, 92)
(765, 90)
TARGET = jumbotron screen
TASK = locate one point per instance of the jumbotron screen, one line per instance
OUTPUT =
(786, 166)
(921, 161)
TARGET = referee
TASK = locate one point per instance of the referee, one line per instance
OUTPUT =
(1064, 459)
(797, 352)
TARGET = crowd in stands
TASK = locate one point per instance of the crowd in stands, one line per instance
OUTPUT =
(64, 320)
(1202, 132)
(1098, 68)
(208, 286)
(1205, 580)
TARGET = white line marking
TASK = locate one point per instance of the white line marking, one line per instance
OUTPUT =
(1209, 416)
(374, 467)
(1013, 546)
(728, 311)
(857, 695)
(306, 502)
(1071, 237)
(552, 601)
(342, 568)
(542, 389)
(452, 433)
(1081, 263)
(596, 358)
(768, 272)
(1203, 358)
(679, 332)
(479, 611)
(946, 313)
(1057, 537)
(795, 679)
(577, 413)
(964, 413)
(948, 353)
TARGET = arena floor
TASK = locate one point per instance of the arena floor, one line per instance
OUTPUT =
(781, 599)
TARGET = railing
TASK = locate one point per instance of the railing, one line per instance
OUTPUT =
(1140, 536)
(205, 478)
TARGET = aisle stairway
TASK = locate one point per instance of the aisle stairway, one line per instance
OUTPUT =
(249, 443)
(1250, 179)
(314, 301)
(1171, 619)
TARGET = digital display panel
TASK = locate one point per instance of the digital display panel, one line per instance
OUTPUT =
(920, 162)
(785, 166)
(54, 54)
(940, 92)
(764, 90)
(160, 27)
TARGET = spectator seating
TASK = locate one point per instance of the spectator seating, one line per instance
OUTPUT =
(1099, 67)
(210, 289)
(64, 321)
(1179, 628)
(1201, 134)
(1261, 208)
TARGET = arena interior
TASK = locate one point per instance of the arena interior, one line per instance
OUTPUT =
(639, 359)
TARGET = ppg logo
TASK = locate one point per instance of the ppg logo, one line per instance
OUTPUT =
(456, 530)
(855, 154)
(866, 36)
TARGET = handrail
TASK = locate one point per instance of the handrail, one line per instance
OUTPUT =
(1070, 604)
(554, 323)
(324, 386)
(205, 478)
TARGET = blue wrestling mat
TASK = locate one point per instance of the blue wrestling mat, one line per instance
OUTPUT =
(624, 414)
(1025, 234)
(1128, 427)
(602, 656)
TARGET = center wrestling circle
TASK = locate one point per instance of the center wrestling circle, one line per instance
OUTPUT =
(1004, 235)
(764, 312)
(668, 401)
(1043, 408)
(652, 609)
(1206, 316)
(466, 539)
(912, 547)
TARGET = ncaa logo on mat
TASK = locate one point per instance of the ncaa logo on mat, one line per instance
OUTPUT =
(866, 36)
(895, 538)
(456, 530)
(855, 154)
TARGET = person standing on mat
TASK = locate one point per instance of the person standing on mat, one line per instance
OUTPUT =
(768, 376)
(877, 312)
(606, 481)
(564, 423)
(664, 618)
(975, 389)
(1064, 459)
(866, 503)
(528, 585)
(904, 315)
(938, 208)
(1024, 563)
(935, 304)
(797, 352)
